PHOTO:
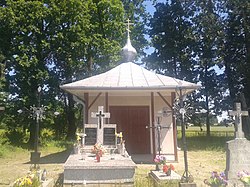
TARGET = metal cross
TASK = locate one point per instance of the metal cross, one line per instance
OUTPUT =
(238, 120)
(100, 115)
(128, 24)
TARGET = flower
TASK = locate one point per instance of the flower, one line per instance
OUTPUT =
(244, 177)
(98, 149)
(216, 179)
(160, 159)
(166, 168)
(29, 180)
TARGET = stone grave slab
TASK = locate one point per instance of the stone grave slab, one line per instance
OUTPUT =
(237, 159)
(112, 169)
(161, 178)
(237, 150)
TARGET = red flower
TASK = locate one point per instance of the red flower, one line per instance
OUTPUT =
(172, 167)
(165, 168)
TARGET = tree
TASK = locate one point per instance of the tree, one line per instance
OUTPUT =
(172, 40)
(26, 68)
(236, 54)
(207, 31)
(50, 43)
(82, 43)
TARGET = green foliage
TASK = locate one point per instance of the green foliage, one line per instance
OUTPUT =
(48, 43)
(172, 38)
(16, 137)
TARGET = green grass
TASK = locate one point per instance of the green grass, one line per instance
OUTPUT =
(205, 154)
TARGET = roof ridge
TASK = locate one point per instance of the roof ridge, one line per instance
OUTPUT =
(142, 69)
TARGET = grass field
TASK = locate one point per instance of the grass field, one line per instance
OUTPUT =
(205, 154)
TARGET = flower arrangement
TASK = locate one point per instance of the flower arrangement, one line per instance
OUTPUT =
(119, 138)
(160, 159)
(244, 177)
(168, 168)
(216, 179)
(98, 149)
(30, 180)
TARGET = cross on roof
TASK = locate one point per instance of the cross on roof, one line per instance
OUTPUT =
(100, 115)
(128, 24)
(238, 121)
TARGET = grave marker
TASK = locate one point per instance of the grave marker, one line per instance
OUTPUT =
(100, 133)
(237, 150)
(100, 115)
(238, 120)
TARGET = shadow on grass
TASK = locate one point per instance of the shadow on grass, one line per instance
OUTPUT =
(54, 158)
(202, 143)
(59, 181)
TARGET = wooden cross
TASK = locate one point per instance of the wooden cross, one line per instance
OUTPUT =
(100, 115)
(238, 121)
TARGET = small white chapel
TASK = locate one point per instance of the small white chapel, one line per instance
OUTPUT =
(134, 97)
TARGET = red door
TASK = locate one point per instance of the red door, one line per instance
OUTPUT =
(132, 122)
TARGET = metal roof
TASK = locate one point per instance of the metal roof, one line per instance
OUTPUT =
(128, 76)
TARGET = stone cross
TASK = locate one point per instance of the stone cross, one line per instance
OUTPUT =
(100, 115)
(238, 121)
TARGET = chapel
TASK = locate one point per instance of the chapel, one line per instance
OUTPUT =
(137, 99)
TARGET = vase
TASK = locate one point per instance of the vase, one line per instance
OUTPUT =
(160, 167)
(98, 158)
(168, 173)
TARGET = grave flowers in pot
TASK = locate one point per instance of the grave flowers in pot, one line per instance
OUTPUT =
(244, 177)
(98, 150)
(168, 168)
(159, 160)
(216, 180)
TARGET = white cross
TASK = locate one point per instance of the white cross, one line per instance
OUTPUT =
(238, 121)
(100, 115)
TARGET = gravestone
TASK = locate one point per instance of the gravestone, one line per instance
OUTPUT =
(237, 150)
(112, 169)
(100, 133)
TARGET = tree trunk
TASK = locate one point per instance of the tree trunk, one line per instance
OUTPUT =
(71, 118)
(245, 119)
(207, 101)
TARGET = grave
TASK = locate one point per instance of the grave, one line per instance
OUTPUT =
(237, 150)
(83, 168)
(161, 178)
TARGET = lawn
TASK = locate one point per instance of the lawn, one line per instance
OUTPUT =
(206, 154)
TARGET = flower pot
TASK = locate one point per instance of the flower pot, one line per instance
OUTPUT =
(160, 166)
(168, 173)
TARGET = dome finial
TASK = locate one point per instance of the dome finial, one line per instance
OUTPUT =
(128, 51)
